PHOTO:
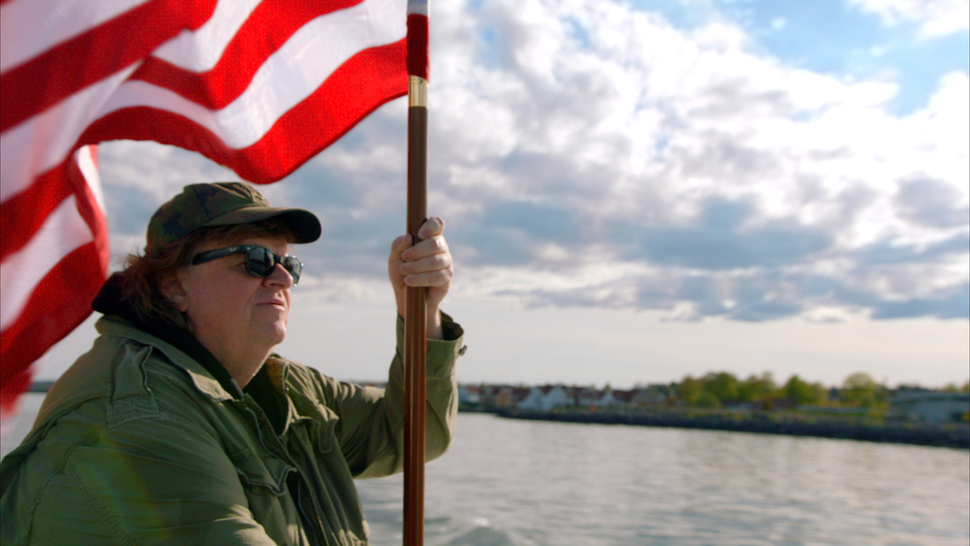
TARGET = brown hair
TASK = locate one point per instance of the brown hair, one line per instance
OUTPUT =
(143, 274)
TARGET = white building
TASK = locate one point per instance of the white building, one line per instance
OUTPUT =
(607, 400)
(545, 399)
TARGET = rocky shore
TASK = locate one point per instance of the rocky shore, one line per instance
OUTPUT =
(953, 435)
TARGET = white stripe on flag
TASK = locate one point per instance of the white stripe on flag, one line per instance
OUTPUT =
(199, 51)
(84, 158)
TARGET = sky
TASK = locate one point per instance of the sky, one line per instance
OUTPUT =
(636, 191)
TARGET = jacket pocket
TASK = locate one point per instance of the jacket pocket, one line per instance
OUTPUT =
(319, 425)
(266, 474)
(263, 480)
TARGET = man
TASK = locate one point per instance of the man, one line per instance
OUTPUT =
(180, 426)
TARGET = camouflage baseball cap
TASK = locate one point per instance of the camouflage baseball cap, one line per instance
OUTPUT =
(225, 204)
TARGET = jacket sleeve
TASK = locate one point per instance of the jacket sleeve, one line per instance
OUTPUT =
(370, 428)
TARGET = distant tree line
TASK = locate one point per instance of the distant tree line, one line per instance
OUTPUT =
(717, 389)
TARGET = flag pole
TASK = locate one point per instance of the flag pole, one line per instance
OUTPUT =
(415, 341)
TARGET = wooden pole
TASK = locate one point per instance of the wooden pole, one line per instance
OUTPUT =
(416, 323)
(416, 308)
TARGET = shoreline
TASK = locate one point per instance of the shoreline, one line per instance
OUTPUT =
(953, 435)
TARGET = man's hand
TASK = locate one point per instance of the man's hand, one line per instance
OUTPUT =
(426, 264)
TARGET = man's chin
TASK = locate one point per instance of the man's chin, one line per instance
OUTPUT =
(273, 335)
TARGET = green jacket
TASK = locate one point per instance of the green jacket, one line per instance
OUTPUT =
(138, 444)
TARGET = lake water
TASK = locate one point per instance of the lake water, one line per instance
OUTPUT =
(525, 483)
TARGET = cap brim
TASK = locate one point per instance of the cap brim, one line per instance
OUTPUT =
(304, 224)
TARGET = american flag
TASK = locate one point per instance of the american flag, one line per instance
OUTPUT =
(259, 86)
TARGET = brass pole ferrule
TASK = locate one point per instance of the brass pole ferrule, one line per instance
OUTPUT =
(417, 92)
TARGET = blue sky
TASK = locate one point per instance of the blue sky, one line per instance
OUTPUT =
(855, 43)
(637, 191)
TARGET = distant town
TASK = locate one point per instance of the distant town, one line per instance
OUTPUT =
(859, 409)
(859, 396)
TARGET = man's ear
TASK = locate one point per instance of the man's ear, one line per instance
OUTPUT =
(174, 292)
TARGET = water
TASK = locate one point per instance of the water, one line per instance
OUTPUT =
(530, 483)
(508, 482)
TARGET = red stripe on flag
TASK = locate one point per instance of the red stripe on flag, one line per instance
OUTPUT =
(361, 85)
(10, 390)
(75, 64)
(270, 25)
(419, 63)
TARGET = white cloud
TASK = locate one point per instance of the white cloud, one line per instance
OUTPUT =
(935, 17)
(638, 124)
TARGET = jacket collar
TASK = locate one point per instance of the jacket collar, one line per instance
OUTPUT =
(200, 376)
(179, 345)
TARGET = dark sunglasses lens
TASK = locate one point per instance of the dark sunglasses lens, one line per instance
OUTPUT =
(293, 265)
(261, 262)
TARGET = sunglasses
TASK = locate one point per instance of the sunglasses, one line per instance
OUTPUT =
(260, 261)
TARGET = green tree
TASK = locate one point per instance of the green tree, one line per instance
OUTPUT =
(802, 392)
(860, 389)
(756, 388)
(689, 390)
(723, 386)
(706, 399)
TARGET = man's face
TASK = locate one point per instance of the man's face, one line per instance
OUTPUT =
(231, 312)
